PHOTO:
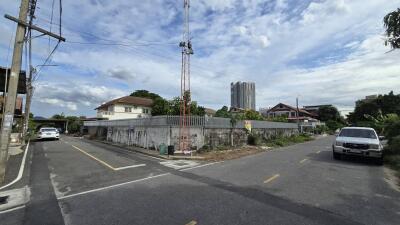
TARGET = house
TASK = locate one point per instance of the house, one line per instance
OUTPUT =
(291, 113)
(18, 106)
(127, 107)
(210, 112)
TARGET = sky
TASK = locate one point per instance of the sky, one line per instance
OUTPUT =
(323, 52)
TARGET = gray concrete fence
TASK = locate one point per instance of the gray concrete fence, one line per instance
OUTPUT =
(206, 131)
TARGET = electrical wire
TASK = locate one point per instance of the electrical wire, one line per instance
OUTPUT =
(48, 59)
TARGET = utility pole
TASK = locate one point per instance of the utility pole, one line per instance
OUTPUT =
(29, 87)
(14, 79)
(12, 89)
(297, 114)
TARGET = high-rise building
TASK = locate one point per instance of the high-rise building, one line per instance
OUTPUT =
(243, 95)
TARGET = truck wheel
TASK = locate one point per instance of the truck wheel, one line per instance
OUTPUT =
(379, 161)
(336, 156)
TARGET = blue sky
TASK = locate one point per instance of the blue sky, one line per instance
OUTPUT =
(325, 51)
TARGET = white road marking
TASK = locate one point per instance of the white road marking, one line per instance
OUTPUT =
(12, 210)
(303, 161)
(179, 164)
(208, 164)
(112, 186)
(127, 167)
(21, 169)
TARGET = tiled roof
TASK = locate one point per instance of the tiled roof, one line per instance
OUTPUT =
(130, 100)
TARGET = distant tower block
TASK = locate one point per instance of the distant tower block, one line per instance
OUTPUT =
(243, 95)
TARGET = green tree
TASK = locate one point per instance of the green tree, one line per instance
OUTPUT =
(327, 113)
(382, 105)
(223, 112)
(392, 24)
(160, 107)
(145, 94)
(58, 116)
(250, 115)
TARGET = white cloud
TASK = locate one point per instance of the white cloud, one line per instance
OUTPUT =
(328, 51)
(57, 102)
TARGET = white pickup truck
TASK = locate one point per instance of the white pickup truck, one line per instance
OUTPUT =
(362, 141)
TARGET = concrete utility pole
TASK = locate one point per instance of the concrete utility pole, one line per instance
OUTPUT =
(12, 89)
(298, 114)
(29, 87)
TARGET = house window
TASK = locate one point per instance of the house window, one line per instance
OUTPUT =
(293, 114)
(128, 109)
(146, 111)
(134, 107)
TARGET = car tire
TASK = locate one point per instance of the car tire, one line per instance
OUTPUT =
(379, 161)
(336, 156)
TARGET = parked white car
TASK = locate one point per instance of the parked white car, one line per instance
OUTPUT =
(362, 141)
(48, 133)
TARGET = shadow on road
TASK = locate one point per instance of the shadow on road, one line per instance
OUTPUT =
(353, 160)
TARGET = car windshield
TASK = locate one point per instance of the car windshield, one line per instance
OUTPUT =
(48, 130)
(358, 133)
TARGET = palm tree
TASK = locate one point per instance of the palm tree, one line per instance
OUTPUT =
(392, 24)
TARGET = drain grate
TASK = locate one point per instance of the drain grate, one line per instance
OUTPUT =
(3, 199)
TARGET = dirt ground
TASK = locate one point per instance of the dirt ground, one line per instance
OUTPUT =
(223, 155)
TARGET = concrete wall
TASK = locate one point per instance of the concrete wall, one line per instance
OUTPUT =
(152, 137)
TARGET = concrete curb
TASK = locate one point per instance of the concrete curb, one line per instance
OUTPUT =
(16, 199)
(145, 152)
(21, 169)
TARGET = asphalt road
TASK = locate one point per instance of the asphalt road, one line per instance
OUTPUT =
(78, 182)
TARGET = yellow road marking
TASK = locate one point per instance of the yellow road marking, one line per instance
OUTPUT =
(318, 152)
(106, 164)
(91, 156)
(302, 161)
(271, 178)
(192, 223)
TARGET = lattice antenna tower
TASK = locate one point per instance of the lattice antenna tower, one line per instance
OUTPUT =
(185, 100)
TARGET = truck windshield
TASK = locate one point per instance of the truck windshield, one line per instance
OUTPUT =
(359, 133)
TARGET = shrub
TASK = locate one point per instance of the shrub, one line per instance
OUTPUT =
(393, 147)
(333, 125)
(392, 130)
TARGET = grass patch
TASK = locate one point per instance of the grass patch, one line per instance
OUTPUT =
(286, 141)
(392, 154)
(393, 162)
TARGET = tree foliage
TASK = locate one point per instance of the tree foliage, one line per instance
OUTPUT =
(327, 113)
(392, 24)
(382, 105)
(145, 94)
(223, 112)
(250, 115)
(162, 106)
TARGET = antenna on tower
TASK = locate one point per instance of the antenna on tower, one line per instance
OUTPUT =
(185, 100)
